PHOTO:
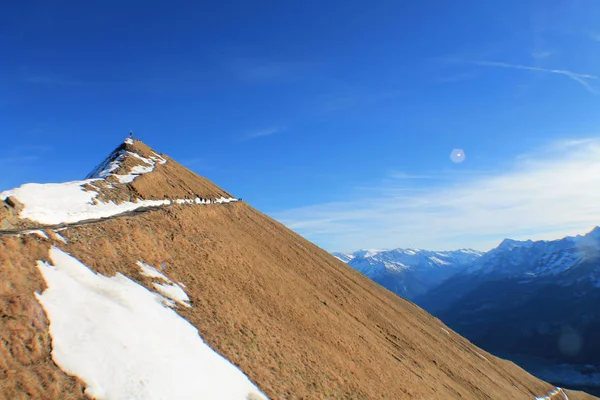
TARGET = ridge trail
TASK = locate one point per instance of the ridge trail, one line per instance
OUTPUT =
(137, 211)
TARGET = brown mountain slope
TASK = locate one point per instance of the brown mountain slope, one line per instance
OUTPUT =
(300, 323)
(168, 180)
(172, 180)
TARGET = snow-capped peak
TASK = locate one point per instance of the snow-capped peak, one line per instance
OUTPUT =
(125, 164)
(368, 252)
(515, 258)
(509, 244)
(105, 192)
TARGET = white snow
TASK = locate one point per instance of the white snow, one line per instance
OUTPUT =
(135, 171)
(173, 292)
(114, 162)
(225, 200)
(39, 233)
(108, 166)
(150, 271)
(58, 236)
(170, 290)
(120, 339)
(55, 203)
(70, 202)
(439, 261)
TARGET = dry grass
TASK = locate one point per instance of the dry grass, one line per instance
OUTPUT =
(175, 182)
(26, 367)
(167, 181)
(300, 323)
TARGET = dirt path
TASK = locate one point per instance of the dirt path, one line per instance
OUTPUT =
(137, 211)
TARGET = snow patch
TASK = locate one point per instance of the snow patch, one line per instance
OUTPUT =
(58, 236)
(115, 160)
(39, 233)
(170, 290)
(151, 272)
(222, 200)
(123, 343)
(56, 203)
(173, 292)
(71, 202)
(137, 170)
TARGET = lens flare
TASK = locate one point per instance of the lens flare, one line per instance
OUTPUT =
(457, 156)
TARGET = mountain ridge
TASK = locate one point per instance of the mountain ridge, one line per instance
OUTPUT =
(295, 320)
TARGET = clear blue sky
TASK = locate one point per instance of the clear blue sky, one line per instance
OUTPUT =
(335, 117)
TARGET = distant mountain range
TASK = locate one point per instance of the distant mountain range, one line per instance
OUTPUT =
(409, 272)
(534, 302)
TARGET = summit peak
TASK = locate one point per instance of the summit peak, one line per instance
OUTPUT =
(127, 162)
(132, 176)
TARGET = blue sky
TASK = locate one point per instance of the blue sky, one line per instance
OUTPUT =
(337, 118)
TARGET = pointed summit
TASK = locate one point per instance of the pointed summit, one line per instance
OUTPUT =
(131, 177)
(127, 161)
(150, 175)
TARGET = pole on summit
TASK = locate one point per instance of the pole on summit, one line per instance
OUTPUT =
(131, 134)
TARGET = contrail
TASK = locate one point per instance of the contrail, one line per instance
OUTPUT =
(579, 78)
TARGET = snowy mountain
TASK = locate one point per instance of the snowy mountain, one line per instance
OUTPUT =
(529, 300)
(530, 259)
(409, 272)
(147, 281)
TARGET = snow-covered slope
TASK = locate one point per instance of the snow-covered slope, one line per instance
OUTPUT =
(531, 259)
(409, 272)
(122, 341)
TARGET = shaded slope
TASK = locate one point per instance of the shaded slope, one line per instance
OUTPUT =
(533, 302)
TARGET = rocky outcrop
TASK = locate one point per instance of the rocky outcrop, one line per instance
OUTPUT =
(9, 213)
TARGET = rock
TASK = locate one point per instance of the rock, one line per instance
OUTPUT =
(14, 203)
